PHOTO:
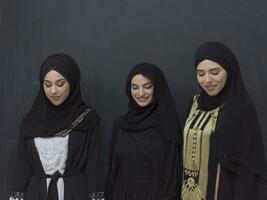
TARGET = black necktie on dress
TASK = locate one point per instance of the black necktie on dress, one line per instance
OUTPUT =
(52, 189)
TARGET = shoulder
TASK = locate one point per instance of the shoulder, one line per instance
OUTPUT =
(91, 112)
(194, 103)
(195, 97)
(243, 109)
(91, 115)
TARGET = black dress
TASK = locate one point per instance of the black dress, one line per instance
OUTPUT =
(143, 166)
(83, 177)
(145, 160)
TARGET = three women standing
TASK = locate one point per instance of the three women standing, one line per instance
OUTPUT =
(145, 161)
(223, 156)
(59, 146)
(223, 150)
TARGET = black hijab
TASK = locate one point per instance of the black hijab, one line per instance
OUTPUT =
(160, 113)
(238, 139)
(45, 119)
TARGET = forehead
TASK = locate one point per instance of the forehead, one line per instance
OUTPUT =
(53, 76)
(208, 65)
(140, 79)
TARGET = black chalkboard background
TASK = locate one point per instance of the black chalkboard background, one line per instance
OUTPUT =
(108, 37)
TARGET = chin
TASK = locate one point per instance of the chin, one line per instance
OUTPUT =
(142, 104)
(212, 94)
(56, 103)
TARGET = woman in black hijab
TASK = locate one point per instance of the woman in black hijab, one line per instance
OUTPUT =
(145, 161)
(223, 149)
(58, 155)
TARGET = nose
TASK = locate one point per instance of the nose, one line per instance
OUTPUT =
(141, 92)
(207, 78)
(53, 89)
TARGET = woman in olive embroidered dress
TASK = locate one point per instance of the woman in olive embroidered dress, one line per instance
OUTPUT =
(145, 162)
(59, 155)
(223, 153)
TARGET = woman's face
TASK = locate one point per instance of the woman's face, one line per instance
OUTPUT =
(211, 77)
(142, 90)
(56, 87)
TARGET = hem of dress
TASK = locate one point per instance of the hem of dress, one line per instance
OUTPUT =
(16, 195)
(97, 196)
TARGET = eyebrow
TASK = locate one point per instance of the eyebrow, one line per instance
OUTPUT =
(216, 68)
(149, 82)
(62, 79)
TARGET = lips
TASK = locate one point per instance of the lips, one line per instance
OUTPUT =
(210, 87)
(142, 99)
(55, 98)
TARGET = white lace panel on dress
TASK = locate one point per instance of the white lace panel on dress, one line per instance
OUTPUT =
(53, 154)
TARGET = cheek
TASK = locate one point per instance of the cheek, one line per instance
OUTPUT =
(199, 80)
(133, 93)
(223, 83)
(66, 92)
(221, 80)
(151, 92)
(46, 90)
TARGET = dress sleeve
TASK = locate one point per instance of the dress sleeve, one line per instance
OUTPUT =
(232, 186)
(172, 170)
(113, 164)
(245, 190)
(22, 171)
(95, 169)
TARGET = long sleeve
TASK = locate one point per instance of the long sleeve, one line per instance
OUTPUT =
(112, 165)
(22, 171)
(170, 190)
(245, 190)
(95, 170)
(233, 187)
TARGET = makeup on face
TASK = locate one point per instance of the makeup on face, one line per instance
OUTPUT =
(142, 90)
(211, 77)
(56, 87)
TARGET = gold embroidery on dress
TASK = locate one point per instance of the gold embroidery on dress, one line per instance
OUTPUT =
(198, 129)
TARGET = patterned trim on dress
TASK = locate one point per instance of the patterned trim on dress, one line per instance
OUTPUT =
(78, 120)
(97, 196)
(16, 195)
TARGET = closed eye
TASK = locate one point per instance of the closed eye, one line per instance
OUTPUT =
(200, 73)
(148, 86)
(134, 87)
(47, 84)
(215, 71)
(60, 83)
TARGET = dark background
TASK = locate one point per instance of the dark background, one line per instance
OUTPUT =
(108, 37)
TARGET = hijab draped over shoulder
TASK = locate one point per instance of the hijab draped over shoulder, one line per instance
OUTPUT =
(160, 113)
(158, 123)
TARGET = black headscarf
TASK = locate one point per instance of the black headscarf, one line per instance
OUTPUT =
(238, 139)
(220, 54)
(45, 119)
(160, 113)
